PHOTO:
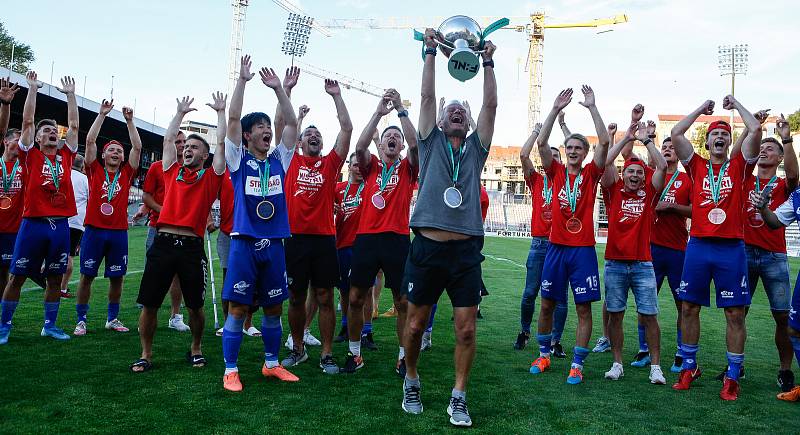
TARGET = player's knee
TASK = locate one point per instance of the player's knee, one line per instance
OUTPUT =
(401, 303)
(689, 309)
(735, 316)
(416, 327)
(465, 333)
(584, 311)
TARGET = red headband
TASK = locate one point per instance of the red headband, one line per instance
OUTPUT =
(112, 142)
(720, 124)
(632, 161)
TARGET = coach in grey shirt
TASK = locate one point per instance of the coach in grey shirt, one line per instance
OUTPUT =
(446, 252)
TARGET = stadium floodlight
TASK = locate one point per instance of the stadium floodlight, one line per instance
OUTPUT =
(732, 61)
(295, 38)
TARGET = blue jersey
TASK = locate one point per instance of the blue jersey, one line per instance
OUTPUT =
(247, 193)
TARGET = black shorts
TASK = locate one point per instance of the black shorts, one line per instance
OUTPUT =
(75, 236)
(382, 251)
(311, 259)
(433, 267)
(172, 255)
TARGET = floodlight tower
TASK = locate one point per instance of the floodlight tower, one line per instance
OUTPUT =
(732, 61)
(237, 35)
(295, 38)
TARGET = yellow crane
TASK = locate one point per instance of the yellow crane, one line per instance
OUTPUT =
(534, 27)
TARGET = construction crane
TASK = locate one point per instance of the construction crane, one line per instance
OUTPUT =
(346, 82)
(237, 35)
(534, 28)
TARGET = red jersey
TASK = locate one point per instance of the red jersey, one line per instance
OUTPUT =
(731, 200)
(756, 233)
(14, 181)
(669, 228)
(188, 202)
(348, 213)
(541, 214)
(484, 203)
(394, 217)
(630, 219)
(310, 190)
(226, 204)
(42, 199)
(584, 210)
(98, 195)
(154, 185)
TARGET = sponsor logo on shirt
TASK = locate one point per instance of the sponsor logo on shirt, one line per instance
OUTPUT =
(724, 191)
(115, 268)
(47, 176)
(309, 180)
(580, 290)
(546, 285)
(275, 292)
(631, 209)
(22, 262)
(241, 287)
(89, 263)
(252, 186)
(724, 294)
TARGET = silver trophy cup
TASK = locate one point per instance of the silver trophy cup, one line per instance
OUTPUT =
(459, 39)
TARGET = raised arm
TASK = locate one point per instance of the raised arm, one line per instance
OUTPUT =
(564, 129)
(601, 150)
(133, 134)
(427, 107)
(789, 156)
(289, 82)
(562, 100)
(342, 145)
(610, 174)
(489, 109)
(636, 116)
(234, 129)
(289, 132)
(28, 133)
(409, 131)
(170, 153)
(472, 124)
(7, 91)
(362, 146)
(752, 142)
(94, 131)
(683, 147)
(68, 88)
(302, 112)
(654, 156)
(525, 153)
(218, 105)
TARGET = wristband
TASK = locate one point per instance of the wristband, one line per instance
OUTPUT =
(430, 50)
(5, 103)
(651, 136)
(402, 113)
(785, 142)
(647, 141)
(488, 63)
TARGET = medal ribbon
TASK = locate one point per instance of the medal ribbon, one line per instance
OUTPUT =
(112, 186)
(758, 183)
(716, 182)
(572, 195)
(547, 193)
(264, 177)
(357, 199)
(53, 172)
(455, 164)
(7, 180)
(387, 174)
(180, 175)
(669, 184)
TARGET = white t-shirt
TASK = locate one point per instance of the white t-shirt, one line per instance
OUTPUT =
(80, 186)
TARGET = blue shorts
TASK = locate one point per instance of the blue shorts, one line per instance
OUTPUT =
(724, 261)
(98, 244)
(345, 259)
(257, 273)
(667, 263)
(573, 265)
(635, 275)
(773, 270)
(794, 312)
(41, 241)
(7, 241)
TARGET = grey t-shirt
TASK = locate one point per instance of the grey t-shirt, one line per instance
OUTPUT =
(435, 175)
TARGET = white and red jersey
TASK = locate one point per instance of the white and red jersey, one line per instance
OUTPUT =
(541, 213)
(187, 202)
(584, 210)
(98, 195)
(630, 220)
(226, 204)
(731, 197)
(399, 189)
(756, 233)
(11, 217)
(42, 199)
(350, 202)
(154, 185)
(310, 186)
(669, 229)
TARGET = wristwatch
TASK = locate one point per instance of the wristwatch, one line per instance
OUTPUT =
(488, 63)
(402, 113)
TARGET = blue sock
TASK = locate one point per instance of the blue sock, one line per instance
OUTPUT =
(680, 342)
(232, 340)
(735, 361)
(689, 353)
(82, 310)
(271, 333)
(643, 339)
(8, 308)
(559, 319)
(113, 311)
(796, 347)
(580, 354)
(367, 329)
(50, 314)
(430, 319)
(544, 344)
(344, 321)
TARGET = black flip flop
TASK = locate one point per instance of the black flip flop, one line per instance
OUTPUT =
(195, 360)
(143, 363)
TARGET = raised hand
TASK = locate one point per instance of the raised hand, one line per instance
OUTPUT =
(641, 131)
(106, 106)
(220, 100)
(303, 111)
(637, 113)
(537, 128)
(332, 87)
(127, 113)
(67, 85)
(385, 104)
(465, 103)
(588, 96)
(32, 79)
(612, 130)
(782, 126)
(7, 90)
(269, 78)
(430, 38)
(707, 108)
(560, 117)
(563, 99)
(630, 133)
(185, 105)
(244, 68)
(290, 79)
(651, 128)
(762, 115)
(488, 50)
(729, 102)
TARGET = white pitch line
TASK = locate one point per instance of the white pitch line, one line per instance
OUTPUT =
(75, 281)
(506, 260)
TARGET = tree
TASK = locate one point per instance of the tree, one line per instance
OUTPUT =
(699, 140)
(23, 53)
(794, 121)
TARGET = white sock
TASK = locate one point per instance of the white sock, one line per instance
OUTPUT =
(355, 347)
(229, 371)
(402, 353)
(271, 364)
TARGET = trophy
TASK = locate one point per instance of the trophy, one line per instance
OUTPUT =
(460, 39)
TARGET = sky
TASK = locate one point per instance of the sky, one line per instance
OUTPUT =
(665, 57)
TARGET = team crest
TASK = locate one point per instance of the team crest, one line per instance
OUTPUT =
(641, 193)
(678, 184)
(318, 164)
(252, 164)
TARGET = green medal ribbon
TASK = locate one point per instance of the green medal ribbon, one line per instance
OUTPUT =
(7, 180)
(455, 164)
(180, 175)
(669, 184)
(53, 172)
(572, 195)
(264, 177)
(547, 192)
(716, 182)
(357, 200)
(758, 184)
(112, 186)
(387, 174)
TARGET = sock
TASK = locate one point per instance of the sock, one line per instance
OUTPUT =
(344, 321)
(643, 339)
(580, 353)
(680, 340)
(8, 308)
(50, 314)
(113, 311)
(82, 310)
(430, 319)
(796, 347)
(401, 353)
(735, 361)
(689, 353)
(232, 341)
(459, 394)
(559, 319)
(271, 333)
(355, 347)
(367, 329)
(544, 344)
(412, 382)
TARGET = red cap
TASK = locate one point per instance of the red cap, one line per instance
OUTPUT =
(112, 142)
(720, 124)
(632, 161)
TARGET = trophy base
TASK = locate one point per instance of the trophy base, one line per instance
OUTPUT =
(463, 64)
